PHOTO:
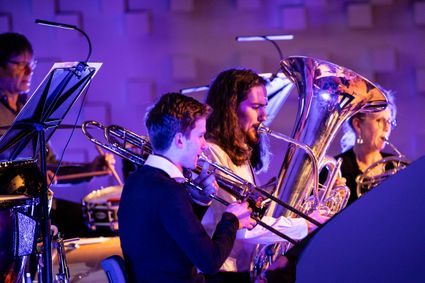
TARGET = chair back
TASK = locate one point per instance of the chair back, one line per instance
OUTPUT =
(114, 267)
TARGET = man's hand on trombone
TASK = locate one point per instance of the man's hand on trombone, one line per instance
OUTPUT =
(209, 186)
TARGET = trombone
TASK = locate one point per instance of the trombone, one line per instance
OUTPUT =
(136, 149)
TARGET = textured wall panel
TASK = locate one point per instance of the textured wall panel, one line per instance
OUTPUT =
(252, 61)
(140, 92)
(137, 23)
(294, 18)
(382, 2)
(43, 9)
(181, 5)
(420, 80)
(83, 6)
(419, 13)
(383, 59)
(109, 7)
(5, 23)
(316, 3)
(183, 68)
(359, 15)
(97, 110)
(249, 4)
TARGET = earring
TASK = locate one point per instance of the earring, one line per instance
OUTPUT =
(359, 140)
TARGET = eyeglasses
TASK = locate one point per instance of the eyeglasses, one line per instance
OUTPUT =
(22, 65)
(382, 122)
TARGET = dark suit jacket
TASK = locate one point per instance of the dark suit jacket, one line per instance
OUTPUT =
(161, 237)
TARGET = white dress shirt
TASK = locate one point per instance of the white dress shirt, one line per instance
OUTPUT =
(241, 255)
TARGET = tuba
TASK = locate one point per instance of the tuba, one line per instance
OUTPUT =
(328, 95)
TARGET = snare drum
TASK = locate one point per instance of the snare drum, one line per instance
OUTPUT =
(18, 235)
(100, 208)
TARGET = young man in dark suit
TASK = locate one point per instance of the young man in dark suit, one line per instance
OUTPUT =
(161, 235)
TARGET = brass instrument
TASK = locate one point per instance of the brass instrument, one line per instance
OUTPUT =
(326, 197)
(120, 141)
(136, 148)
(390, 165)
(328, 95)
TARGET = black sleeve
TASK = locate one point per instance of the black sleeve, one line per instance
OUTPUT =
(199, 210)
(185, 228)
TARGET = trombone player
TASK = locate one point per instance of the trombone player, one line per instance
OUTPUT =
(239, 100)
(161, 235)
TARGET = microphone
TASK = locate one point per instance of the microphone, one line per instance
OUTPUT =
(67, 26)
(272, 39)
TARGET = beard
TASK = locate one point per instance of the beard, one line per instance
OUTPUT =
(252, 137)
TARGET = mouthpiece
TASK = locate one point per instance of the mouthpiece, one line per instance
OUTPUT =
(387, 141)
(263, 129)
(204, 157)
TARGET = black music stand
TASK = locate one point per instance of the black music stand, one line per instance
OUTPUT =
(36, 123)
(378, 238)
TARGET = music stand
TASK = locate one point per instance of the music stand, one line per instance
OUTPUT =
(36, 123)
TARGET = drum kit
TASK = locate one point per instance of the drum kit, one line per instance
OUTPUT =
(20, 215)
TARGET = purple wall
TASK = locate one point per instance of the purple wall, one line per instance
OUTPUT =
(151, 47)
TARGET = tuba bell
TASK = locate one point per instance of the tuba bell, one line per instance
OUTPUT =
(328, 95)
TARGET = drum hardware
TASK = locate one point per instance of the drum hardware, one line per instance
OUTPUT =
(119, 139)
(100, 208)
(63, 275)
(18, 235)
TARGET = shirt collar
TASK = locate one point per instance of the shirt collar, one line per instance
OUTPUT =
(165, 165)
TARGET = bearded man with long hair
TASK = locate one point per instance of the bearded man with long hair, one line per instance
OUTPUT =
(239, 100)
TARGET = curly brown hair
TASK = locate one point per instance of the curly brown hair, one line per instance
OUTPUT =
(226, 92)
